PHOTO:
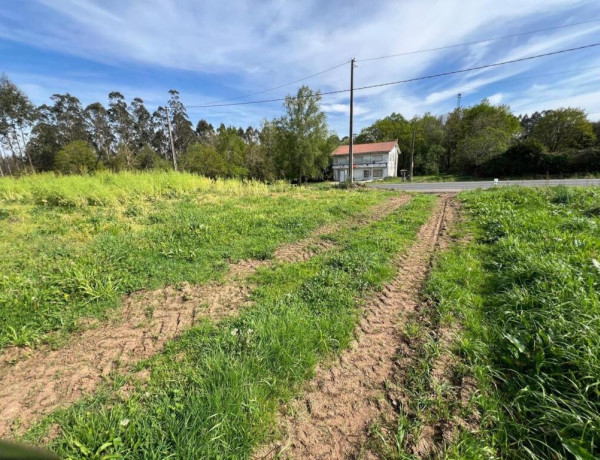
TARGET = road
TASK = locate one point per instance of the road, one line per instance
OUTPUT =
(436, 187)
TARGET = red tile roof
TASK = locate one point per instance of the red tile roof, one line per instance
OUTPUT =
(359, 149)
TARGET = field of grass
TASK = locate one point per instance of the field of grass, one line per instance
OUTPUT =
(214, 392)
(71, 247)
(525, 295)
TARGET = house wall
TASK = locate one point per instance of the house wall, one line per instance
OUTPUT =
(386, 162)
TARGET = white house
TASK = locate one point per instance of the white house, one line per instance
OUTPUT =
(371, 161)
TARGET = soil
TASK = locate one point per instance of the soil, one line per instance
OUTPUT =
(36, 382)
(332, 418)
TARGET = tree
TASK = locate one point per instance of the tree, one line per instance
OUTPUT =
(98, 126)
(204, 160)
(77, 157)
(486, 131)
(141, 124)
(160, 137)
(17, 115)
(149, 159)
(205, 132)
(121, 120)
(302, 137)
(232, 149)
(566, 128)
(57, 125)
(183, 131)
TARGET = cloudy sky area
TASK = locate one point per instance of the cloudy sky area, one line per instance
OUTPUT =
(220, 50)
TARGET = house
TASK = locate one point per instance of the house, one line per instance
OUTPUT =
(371, 161)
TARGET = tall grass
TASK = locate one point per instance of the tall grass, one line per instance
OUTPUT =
(528, 292)
(105, 188)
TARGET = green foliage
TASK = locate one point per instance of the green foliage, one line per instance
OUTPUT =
(302, 138)
(485, 132)
(226, 381)
(76, 157)
(527, 292)
(566, 128)
(204, 160)
(72, 246)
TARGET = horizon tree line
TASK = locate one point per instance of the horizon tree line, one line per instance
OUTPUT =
(65, 137)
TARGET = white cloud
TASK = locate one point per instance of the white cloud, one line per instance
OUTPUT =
(248, 46)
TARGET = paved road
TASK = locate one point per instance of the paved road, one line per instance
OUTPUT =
(434, 187)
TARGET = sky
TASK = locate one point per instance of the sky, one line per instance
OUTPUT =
(213, 51)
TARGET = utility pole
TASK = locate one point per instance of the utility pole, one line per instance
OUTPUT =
(412, 155)
(351, 137)
(458, 98)
(171, 138)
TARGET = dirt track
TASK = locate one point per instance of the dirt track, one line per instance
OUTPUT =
(331, 419)
(36, 382)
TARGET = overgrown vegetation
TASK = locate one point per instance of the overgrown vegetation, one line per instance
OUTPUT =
(72, 246)
(214, 392)
(526, 294)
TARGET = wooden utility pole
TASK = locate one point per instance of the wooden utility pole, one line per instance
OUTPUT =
(171, 138)
(351, 137)
(412, 156)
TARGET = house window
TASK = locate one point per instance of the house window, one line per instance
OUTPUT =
(377, 173)
(366, 174)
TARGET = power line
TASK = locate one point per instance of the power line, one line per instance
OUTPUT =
(462, 88)
(487, 66)
(284, 85)
(396, 55)
(409, 80)
(485, 40)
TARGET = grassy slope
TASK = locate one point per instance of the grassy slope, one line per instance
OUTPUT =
(72, 246)
(526, 291)
(214, 392)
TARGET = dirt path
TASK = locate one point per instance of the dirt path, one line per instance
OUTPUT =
(36, 382)
(331, 419)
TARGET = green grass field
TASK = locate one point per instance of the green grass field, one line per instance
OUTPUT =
(71, 247)
(519, 289)
(524, 293)
(215, 391)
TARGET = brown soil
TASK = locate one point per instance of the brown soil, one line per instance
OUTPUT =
(36, 382)
(331, 419)
(435, 425)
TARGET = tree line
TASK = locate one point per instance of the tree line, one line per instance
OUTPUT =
(66, 137)
(481, 140)
(489, 140)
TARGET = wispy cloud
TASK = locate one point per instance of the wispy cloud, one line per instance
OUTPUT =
(218, 50)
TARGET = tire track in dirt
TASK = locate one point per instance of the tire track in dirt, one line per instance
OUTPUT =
(36, 382)
(331, 419)
(437, 424)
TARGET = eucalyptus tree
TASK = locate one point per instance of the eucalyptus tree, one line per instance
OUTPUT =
(17, 115)
(183, 130)
(99, 129)
(142, 124)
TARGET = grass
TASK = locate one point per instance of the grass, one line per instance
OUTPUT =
(526, 292)
(71, 247)
(214, 392)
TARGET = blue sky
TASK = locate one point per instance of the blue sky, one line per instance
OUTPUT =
(212, 51)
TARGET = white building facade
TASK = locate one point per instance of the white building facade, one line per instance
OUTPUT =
(371, 161)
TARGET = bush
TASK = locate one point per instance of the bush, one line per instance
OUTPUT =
(77, 157)
(204, 160)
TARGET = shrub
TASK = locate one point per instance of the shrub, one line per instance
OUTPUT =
(77, 157)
